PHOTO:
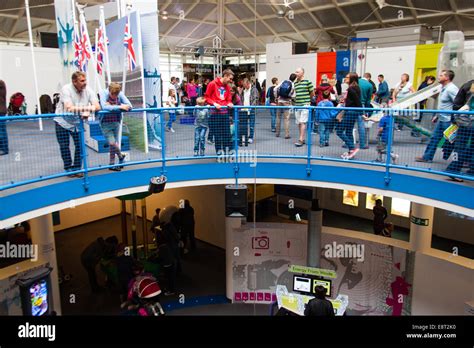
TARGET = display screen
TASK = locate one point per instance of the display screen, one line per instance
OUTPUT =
(400, 207)
(324, 283)
(302, 284)
(39, 297)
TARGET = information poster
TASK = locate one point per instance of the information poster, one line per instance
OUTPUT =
(351, 198)
(370, 200)
(400, 207)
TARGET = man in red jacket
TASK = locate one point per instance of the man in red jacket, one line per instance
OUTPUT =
(218, 95)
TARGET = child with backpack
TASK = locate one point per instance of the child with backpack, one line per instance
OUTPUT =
(284, 94)
(325, 118)
(383, 133)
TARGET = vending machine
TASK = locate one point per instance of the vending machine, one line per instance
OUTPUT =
(35, 292)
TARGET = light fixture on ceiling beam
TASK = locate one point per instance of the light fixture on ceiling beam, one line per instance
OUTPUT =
(381, 3)
(164, 15)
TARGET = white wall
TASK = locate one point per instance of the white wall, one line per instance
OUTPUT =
(209, 209)
(83, 214)
(16, 69)
(441, 287)
(288, 63)
(391, 62)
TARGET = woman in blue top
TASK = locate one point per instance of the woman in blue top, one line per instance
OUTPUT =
(114, 101)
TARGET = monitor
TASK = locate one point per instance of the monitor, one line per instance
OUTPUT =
(323, 282)
(302, 284)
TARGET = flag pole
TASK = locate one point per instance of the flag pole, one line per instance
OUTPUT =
(124, 79)
(106, 48)
(96, 74)
(33, 60)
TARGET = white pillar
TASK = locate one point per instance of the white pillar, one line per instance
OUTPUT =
(421, 227)
(230, 224)
(42, 235)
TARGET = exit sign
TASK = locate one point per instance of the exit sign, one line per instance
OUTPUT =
(420, 221)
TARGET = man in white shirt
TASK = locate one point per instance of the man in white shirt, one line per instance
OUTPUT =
(80, 100)
(445, 102)
(249, 96)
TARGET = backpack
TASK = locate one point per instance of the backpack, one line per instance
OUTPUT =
(285, 89)
(465, 120)
(16, 106)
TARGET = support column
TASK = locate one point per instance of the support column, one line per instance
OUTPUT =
(134, 228)
(144, 228)
(123, 219)
(421, 227)
(315, 226)
(230, 224)
(42, 235)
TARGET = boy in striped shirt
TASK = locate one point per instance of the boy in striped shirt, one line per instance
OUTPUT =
(304, 91)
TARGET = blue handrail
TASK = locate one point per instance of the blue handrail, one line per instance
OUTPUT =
(166, 157)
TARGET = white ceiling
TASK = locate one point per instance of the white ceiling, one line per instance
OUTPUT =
(250, 24)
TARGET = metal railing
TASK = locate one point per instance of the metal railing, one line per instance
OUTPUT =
(233, 136)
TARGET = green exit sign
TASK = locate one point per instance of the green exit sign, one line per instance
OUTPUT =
(419, 221)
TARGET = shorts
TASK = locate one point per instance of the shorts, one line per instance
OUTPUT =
(301, 115)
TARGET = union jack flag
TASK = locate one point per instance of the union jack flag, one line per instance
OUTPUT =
(100, 51)
(128, 43)
(77, 49)
(86, 45)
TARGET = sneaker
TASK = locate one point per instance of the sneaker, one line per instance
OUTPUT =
(321, 145)
(195, 153)
(273, 130)
(115, 169)
(394, 158)
(277, 135)
(421, 159)
(155, 145)
(287, 137)
(172, 130)
(364, 148)
(250, 141)
(201, 153)
(121, 160)
(210, 142)
(299, 143)
(327, 144)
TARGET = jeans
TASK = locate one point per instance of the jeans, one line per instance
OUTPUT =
(200, 138)
(464, 153)
(219, 125)
(171, 119)
(345, 127)
(434, 140)
(3, 137)
(324, 128)
(361, 129)
(252, 123)
(62, 135)
(243, 131)
(273, 112)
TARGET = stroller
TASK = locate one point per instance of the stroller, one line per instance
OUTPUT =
(143, 297)
(17, 104)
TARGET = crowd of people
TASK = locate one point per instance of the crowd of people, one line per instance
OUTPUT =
(215, 126)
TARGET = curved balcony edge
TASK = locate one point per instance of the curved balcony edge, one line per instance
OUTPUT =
(27, 204)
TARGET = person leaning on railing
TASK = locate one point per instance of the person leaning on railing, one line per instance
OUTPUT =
(464, 142)
(80, 100)
(114, 101)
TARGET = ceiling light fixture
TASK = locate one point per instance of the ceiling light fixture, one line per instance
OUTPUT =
(164, 15)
